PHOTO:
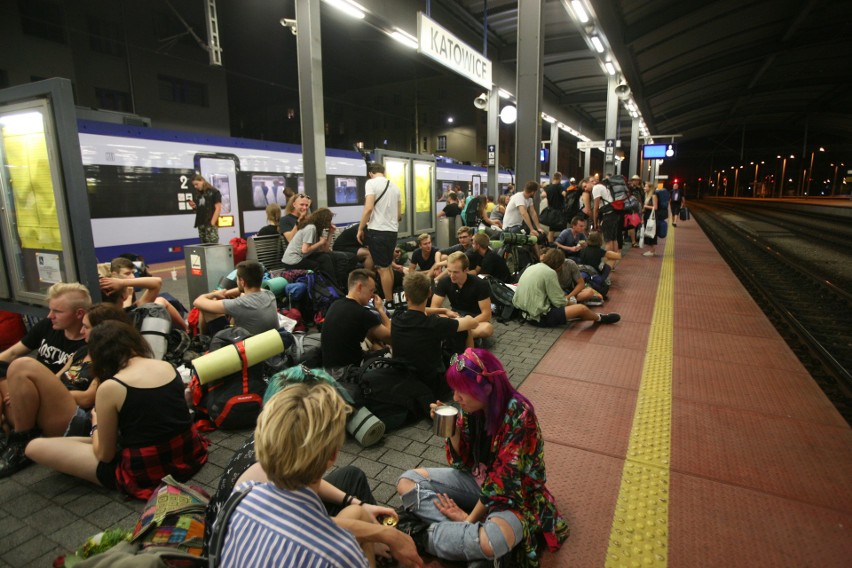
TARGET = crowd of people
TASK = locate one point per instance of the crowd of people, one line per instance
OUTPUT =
(94, 403)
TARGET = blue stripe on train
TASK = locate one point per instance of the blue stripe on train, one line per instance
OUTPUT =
(153, 252)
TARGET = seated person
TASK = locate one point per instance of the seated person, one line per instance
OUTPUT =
(463, 235)
(54, 339)
(417, 334)
(398, 265)
(135, 390)
(485, 261)
(122, 269)
(250, 306)
(349, 321)
(310, 247)
(347, 241)
(283, 522)
(425, 258)
(474, 214)
(452, 208)
(575, 286)
(298, 208)
(493, 498)
(573, 239)
(521, 214)
(339, 489)
(499, 210)
(51, 407)
(273, 218)
(541, 299)
(468, 295)
(594, 255)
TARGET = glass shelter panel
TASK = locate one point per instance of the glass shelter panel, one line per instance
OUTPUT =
(424, 197)
(396, 170)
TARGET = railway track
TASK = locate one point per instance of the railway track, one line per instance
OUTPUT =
(812, 314)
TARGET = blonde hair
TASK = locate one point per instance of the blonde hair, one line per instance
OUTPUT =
(423, 237)
(273, 212)
(299, 432)
(459, 256)
(80, 297)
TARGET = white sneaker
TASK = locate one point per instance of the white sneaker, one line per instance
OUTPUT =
(649, 253)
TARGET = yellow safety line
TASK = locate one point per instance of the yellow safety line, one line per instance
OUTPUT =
(639, 535)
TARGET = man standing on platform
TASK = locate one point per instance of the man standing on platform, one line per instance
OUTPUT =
(380, 223)
(207, 202)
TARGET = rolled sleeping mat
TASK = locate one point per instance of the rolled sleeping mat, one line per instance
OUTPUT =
(277, 286)
(365, 427)
(155, 328)
(226, 360)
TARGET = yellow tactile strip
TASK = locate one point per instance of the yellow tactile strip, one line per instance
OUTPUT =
(640, 525)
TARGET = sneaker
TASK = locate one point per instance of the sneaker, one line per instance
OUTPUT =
(610, 318)
(649, 253)
(594, 302)
(13, 458)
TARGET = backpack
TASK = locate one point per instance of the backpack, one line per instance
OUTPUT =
(471, 213)
(155, 324)
(573, 204)
(593, 279)
(663, 197)
(234, 401)
(240, 247)
(501, 296)
(322, 291)
(388, 388)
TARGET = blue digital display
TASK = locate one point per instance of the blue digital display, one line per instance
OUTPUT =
(657, 151)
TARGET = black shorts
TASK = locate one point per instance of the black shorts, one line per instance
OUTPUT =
(609, 227)
(381, 245)
(556, 316)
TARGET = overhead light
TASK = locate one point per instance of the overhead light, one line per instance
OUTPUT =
(349, 8)
(580, 11)
(404, 38)
(561, 125)
(596, 41)
(509, 114)
(548, 118)
(504, 94)
(450, 119)
(610, 68)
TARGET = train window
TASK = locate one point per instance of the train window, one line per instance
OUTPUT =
(183, 91)
(442, 143)
(346, 191)
(268, 189)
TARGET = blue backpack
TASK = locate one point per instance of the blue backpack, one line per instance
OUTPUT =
(663, 197)
(321, 292)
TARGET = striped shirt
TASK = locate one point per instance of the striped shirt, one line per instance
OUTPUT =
(276, 527)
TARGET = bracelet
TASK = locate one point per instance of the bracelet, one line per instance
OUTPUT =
(347, 500)
(93, 430)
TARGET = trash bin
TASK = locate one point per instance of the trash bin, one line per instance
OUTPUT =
(206, 264)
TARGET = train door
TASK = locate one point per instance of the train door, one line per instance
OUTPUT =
(415, 176)
(220, 170)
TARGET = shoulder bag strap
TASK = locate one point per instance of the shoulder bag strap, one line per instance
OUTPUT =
(385, 190)
(220, 526)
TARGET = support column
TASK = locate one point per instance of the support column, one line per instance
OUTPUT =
(635, 149)
(529, 85)
(493, 139)
(611, 130)
(554, 149)
(587, 159)
(309, 56)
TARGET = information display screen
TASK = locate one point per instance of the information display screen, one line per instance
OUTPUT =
(658, 151)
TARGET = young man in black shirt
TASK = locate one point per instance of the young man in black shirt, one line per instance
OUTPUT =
(418, 333)
(467, 294)
(349, 321)
(426, 258)
(452, 208)
(484, 261)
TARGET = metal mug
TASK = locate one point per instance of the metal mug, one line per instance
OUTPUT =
(445, 421)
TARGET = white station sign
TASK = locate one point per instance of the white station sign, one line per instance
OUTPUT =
(445, 48)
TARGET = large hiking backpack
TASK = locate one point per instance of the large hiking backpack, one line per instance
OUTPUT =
(501, 296)
(388, 388)
(155, 324)
(593, 278)
(618, 188)
(322, 291)
(573, 204)
(233, 402)
(471, 213)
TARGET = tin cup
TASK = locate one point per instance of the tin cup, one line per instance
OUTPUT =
(445, 421)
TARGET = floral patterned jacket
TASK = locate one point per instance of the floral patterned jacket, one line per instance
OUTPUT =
(515, 478)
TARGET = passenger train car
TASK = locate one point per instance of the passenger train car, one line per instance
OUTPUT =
(138, 182)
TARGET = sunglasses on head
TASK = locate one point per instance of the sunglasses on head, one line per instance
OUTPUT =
(459, 363)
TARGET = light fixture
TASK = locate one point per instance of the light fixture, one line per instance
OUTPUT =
(548, 118)
(610, 68)
(290, 24)
(580, 11)
(349, 8)
(404, 38)
(504, 94)
(596, 41)
(509, 114)
(450, 119)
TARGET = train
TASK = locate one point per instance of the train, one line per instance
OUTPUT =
(138, 184)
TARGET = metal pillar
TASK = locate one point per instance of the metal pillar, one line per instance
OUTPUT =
(529, 86)
(213, 46)
(493, 139)
(611, 129)
(554, 149)
(587, 165)
(309, 56)
(635, 149)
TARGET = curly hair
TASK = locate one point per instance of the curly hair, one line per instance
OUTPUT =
(112, 344)
(321, 219)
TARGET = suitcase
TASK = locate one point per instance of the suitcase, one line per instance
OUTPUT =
(684, 214)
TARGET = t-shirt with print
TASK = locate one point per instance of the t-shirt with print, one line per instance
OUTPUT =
(512, 217)
(256, 312)
(78, 377)
(52, 347)
(205, 203)
(305, 235)
(465, 299)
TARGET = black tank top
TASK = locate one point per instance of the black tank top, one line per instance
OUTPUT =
(152, 415)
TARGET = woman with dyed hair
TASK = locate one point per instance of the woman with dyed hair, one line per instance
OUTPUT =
(494, 497)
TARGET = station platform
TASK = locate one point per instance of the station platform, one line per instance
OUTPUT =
(688, 434)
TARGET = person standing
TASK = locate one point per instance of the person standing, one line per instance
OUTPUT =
(207, 202)
(649, 207)
(380, 222)
(676, 203)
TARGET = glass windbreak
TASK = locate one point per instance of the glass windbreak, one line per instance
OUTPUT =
(397, 171)
(424, 197)
(33, 236)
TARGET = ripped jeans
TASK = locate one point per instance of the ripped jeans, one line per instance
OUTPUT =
(453, 540)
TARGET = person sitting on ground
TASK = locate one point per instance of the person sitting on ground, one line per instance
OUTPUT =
(425, 258)
(574, 285)
(298, 208)
(251, 307)
(141, 427)
(283, 522)
(468, 295)
(521, 215)
(500, 209)
(474, 214)
(347, 242)
(594, 255)
(54, 339)
(115, 289)
(452, 208)
(490, 205)
(310, 247)
(494, 497)
(339, 489)
(273, 218)
(485, 261)
(417, 335)
(542, 301)
(464, 235)
(349, 321)
(51, 407)
(573, 239)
